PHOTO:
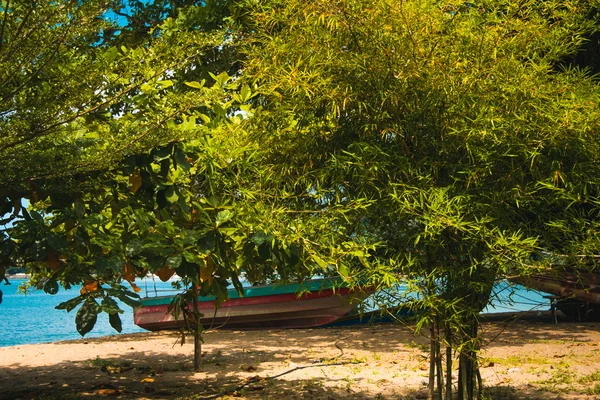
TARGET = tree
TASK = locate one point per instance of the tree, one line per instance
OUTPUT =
(179, 190)
(194, 208)
(453, 120)
(81, 117)
(72, 88)
(414, 142)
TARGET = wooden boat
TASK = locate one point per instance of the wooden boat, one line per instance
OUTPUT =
(574, 292)
(569, 283)
(313, 303)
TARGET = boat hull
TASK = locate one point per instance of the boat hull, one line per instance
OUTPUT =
(280, 310)
(571, 283)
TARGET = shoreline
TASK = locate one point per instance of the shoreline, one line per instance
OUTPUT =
(524, 359)
(542, 316)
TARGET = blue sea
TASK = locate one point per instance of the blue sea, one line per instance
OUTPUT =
(31, 318)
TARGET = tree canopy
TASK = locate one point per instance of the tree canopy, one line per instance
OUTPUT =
(81, 91)
(442, 145)
(467, 126)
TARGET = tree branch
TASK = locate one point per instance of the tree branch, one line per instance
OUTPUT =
(40, 68)
(45, 131)
(4, 23)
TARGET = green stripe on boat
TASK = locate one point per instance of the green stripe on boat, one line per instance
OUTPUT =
(267, 290)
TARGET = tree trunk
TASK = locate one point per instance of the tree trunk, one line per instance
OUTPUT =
(197, 331)
(438, 361)
(448, 335)
(432, 363)
(469, 377)
(463, 377)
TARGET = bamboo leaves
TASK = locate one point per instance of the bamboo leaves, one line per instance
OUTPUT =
(455, 121)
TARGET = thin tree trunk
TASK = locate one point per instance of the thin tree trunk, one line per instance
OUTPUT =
(479, 383)
(448, 335)
(475, 362)
(432, 364)
(438, 361)
(197, 332)
(463, 385)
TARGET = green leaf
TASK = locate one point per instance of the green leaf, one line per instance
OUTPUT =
(162, 153)
(221, 79)
(95, 220)
(320, 262)
(71, 304)
(109, 263)
(192, 257)
(214, 201)
(165, 84)
(134, 247)
(36, 216)
(51, 286)
(237, 284)
(181, 160)
(87, 316)
(165, 168)
(196, 85)
(79, 208)
(171, 195)
(161, 199)
(245, 93)
(131, 302)
(115, 322)
(264, 252)
(343, 270)
(146, 89)
(174, 261)
(110, 306)
(56, 241)
(222, 217)
(207, 242)
(184, 207)
(205, 118)
(260, 237)
(142, 219)
(111, 54)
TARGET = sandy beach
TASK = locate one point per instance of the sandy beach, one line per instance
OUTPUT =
(531, 359)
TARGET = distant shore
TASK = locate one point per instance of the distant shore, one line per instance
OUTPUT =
(25, 276)
(18, 276)
(528, 358)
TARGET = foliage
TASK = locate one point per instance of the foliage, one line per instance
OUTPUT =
(76, 98)
(440, 145)
(462, 126)
(161, 212)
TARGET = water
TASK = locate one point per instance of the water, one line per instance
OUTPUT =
(31, 318)
(505, 298)
(515, 298)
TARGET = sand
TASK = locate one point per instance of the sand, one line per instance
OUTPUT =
(522, 360)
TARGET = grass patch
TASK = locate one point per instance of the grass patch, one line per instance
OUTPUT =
(593, 390)
(591, 378)
(111, 367)
(501, 392)
(562, 378)
(516, 361)
(550, 341)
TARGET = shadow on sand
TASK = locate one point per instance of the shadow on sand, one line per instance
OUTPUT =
(241, 369)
